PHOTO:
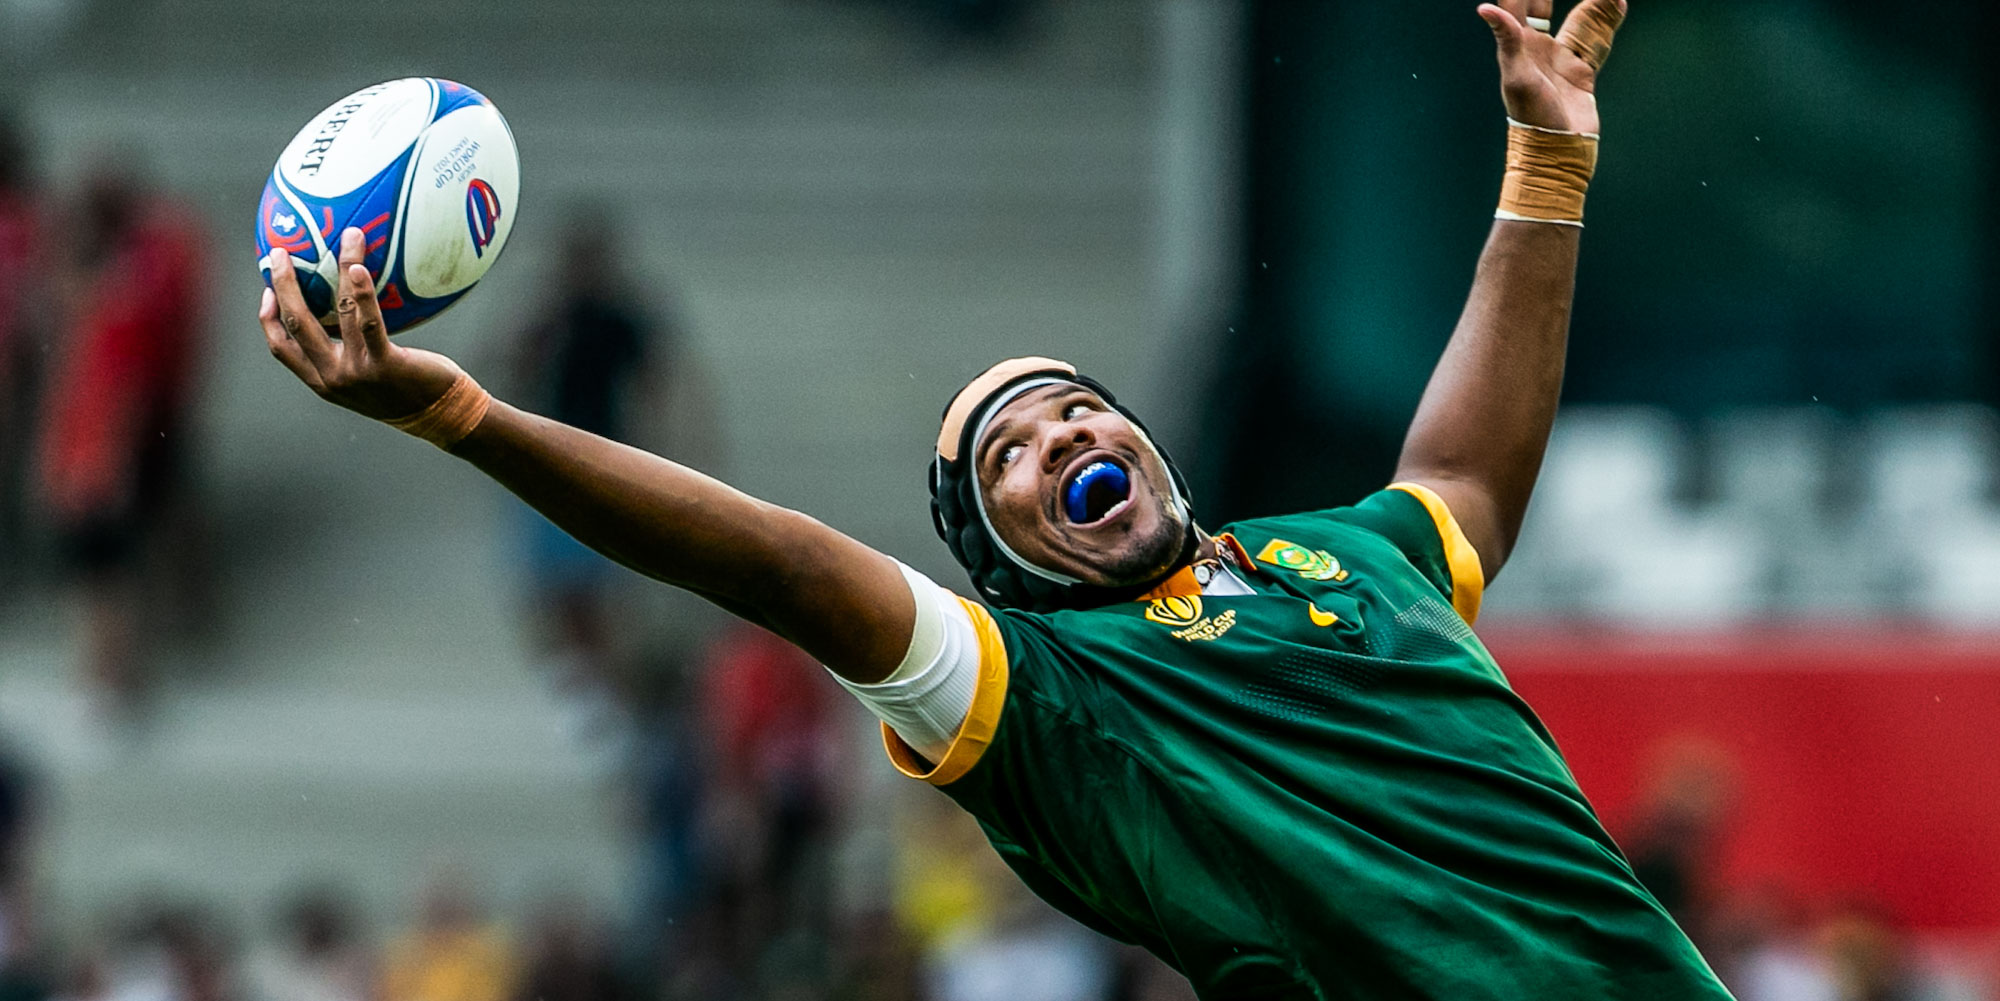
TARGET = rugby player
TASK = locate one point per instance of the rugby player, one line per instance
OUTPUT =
(1275, 755)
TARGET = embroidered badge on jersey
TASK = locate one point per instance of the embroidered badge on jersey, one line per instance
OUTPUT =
(1312, 564)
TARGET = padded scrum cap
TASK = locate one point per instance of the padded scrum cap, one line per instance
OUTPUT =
(1002, 577)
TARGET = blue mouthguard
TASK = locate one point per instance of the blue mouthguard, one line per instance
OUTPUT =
(1101, 475)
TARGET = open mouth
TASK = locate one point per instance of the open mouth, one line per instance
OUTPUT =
(1096, 492)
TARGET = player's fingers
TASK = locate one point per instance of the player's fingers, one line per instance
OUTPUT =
(361, 313)
(295, 317)
(1538, 13)
(355, 304)
(282, 346)
(1588, 30)
(343, 298)
(1506, 29)
(1516, 9)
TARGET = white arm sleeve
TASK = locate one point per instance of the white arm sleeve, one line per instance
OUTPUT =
(925, 699)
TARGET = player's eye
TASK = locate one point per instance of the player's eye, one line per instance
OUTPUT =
(1075, 410)
(1009, 454)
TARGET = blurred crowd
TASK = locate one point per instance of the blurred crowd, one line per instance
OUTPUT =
(732, 791)
(1768, 941)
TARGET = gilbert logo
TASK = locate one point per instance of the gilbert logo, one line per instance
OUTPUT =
(1183, 614)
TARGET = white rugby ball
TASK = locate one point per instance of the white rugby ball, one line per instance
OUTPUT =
(426, 168)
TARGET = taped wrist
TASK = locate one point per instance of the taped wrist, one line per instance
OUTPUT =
(453, 416)
(1548, 173)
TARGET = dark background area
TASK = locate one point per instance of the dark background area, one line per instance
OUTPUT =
(1793, 206)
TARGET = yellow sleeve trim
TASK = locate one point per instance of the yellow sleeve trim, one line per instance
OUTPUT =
(1468, 581)
(982, 721)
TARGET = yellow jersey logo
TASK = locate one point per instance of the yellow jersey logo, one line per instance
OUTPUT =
(1176, 611)
(1312, 564)
(1320, 618)
(1183, 614)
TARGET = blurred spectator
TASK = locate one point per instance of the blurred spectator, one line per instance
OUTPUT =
(760, 912)
(593, 360)
(948, 881)
(87, 979)
(20, 257)
(117, 411)
(20, 980)
(16, 816)
(1023, 951)
(1143, 977)
(571, 958)
(318, 957)
(983, 935)
(1867, 958)
(1043, 957)
(666, 788)
(1681, 821)
(163, 951)
(874, 959)
(773, 744)
(1758, 947)
(198, 961)
(452, 955)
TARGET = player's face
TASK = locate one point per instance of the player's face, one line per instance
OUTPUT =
(1071, 486)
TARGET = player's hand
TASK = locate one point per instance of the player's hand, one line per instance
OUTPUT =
(1551, 80)
(363, 370)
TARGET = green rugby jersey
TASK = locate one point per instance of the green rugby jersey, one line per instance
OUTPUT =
(1325, 789)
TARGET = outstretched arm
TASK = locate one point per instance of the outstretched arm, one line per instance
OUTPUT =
(842, 602)
(1479, 434)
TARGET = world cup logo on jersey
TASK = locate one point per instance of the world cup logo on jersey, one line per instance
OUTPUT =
(1176, 610)
(482, 214)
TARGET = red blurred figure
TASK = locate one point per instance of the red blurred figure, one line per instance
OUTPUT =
(769, 717)
(116, 409)
(767, 818)
(20, 253)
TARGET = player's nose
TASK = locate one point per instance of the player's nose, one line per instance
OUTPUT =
(1061, 441)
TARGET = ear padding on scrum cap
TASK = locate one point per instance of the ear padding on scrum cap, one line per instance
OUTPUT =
(997, 575)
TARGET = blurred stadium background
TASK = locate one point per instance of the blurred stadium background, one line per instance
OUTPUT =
(293, 708)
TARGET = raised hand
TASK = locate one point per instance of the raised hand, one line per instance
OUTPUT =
(1551, 80)
(362, 370)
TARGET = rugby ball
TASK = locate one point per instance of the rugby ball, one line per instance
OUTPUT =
(426, 168)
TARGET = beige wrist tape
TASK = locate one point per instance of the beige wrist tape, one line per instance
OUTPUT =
(451, 418)
(1548, 173)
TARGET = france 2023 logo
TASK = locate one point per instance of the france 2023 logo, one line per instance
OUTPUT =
(482, 214)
